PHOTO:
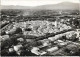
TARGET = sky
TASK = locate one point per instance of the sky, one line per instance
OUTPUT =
(34, 2)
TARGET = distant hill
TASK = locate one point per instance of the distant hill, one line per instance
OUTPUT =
(15, 7)
(62, 6)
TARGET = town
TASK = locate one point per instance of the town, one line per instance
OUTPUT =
(40, 33)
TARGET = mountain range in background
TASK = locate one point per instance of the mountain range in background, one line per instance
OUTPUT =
(61, 6)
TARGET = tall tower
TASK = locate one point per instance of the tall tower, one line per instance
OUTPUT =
(56, 23)
(78, 33)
